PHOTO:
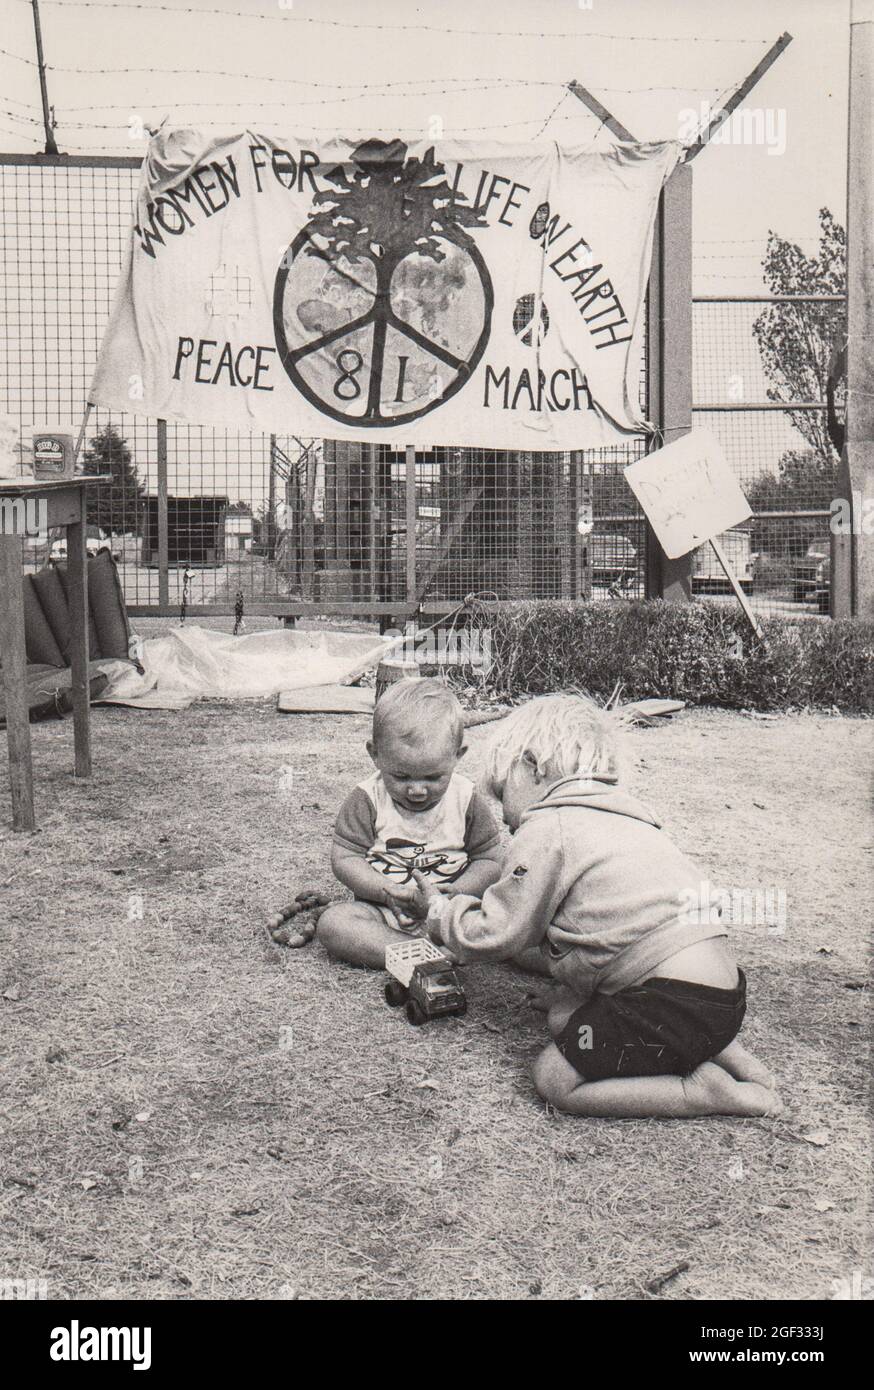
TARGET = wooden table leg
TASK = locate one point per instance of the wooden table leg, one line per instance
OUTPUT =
(14, 657)
(77, 574)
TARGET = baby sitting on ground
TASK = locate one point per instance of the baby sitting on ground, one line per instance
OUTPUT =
(415, 814)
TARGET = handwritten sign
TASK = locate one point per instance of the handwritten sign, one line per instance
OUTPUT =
(688, 492)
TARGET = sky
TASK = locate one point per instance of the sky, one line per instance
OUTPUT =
(464, 68)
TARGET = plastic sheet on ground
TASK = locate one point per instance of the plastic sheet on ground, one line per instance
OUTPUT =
(189, 663)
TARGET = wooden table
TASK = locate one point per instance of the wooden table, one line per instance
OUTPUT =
(64, 501)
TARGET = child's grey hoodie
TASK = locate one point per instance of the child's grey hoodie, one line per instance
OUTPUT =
(590, 870)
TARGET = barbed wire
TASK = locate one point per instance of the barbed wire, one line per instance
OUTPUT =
(552, 112)
(362, 88)
(363, 128)
(19, 58)
(14, 116)
(289, 17)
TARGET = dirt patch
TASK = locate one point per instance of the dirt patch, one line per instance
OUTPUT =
(190, 1111)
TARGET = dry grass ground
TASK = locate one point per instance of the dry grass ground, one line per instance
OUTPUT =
(191, 1112)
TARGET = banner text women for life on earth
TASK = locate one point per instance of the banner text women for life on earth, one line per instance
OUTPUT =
(451, 293)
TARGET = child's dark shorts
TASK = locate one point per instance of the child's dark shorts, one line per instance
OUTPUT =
(660, 1028)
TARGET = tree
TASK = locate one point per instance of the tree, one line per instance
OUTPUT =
(806, 481)
(797, 341)
(391, 207)
(114, 504)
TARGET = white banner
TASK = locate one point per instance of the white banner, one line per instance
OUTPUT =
(468, 294)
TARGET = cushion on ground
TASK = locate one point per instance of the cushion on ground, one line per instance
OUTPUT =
(40, 642)
(53, 602)
(49, 691)
(93, 645)
(106, 602)
(47, 613)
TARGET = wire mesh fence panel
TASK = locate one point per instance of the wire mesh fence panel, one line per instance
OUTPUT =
(502, 523)
(275, 519)
(64, 232)
(279, 520)
(764, 368)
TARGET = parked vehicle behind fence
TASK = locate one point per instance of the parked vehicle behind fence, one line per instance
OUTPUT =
(708, 576)
(810, 575)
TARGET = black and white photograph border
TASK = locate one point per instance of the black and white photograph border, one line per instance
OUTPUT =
(437, 645)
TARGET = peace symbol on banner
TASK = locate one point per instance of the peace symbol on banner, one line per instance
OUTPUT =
(382, 305)
(375, 354)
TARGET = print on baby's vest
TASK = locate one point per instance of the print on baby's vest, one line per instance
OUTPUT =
(584, 1041)
(401, 857)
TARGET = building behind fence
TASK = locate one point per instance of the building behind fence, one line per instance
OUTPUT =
(290, 521)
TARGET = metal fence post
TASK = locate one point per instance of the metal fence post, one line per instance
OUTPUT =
(853, 554)
(410, 456)
(163, 529)
(669, 357)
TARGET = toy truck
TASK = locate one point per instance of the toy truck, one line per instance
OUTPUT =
(423, 980)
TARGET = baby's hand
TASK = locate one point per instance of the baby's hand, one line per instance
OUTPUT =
(399, 892)
(425, 893)
(399, 899)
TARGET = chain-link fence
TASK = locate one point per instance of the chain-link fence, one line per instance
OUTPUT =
(213, 513)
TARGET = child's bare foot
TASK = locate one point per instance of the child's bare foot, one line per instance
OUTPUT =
(712, 1091)
(743, 1066)
(541, 996)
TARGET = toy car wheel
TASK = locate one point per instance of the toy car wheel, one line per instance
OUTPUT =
(395, 993)
(461, 1010)
(415, 1013)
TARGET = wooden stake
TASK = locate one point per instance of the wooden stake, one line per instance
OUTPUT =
(741, 596)
(739, 95)
(604, 116)
(14, 675)
(51, 146)
(81, 437)
(77, 579)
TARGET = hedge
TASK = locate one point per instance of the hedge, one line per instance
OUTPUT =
(701, 652)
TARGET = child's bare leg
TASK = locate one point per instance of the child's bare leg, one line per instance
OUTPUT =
(356, 932)
(743, 1066)
(708, 1091)
(561, 1006)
